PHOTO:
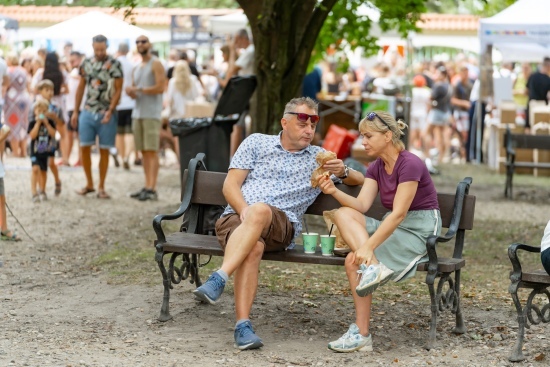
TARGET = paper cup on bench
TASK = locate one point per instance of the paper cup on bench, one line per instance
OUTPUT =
(310, 241)
(327, 244)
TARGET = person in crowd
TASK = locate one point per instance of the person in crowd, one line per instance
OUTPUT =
(42, 134)
(545, 248)
(420, 102)
(439, 117)
(390, 248)
(124, 137)
(474, 113)
(538, 88)
(73, 80)
(53, 71)
(26, 64)
(4, 80)
(5, 233)
(519, 85)
(16, 105)
(243, 66)
(148, 81)
(182, 88)
(461, 103)
(265, 209)
(45, 89)
(102, 76)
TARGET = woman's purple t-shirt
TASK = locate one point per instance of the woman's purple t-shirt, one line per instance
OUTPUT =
(407, 168)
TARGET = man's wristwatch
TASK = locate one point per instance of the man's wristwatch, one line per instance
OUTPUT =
(346, 173)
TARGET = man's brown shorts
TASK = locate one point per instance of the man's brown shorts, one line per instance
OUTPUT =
(279, 235)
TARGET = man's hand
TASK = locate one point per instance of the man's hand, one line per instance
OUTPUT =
(106, 117)
(131, 91)
(364, 255)
(243, 213)
(74, 119)
(335, 166)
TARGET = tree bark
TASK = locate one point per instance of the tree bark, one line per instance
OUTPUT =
(284, 34)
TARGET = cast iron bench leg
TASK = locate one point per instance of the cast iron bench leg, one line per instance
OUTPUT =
(460, 328)
(165, 308)
(433, 323)
(517, 354)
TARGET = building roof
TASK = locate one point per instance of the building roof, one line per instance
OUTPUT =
(449, 22)
(161, 16)
(142, 16)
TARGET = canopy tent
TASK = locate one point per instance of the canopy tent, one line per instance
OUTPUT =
(8, 23)
(228, 24)
(81, 29)
(520, 32)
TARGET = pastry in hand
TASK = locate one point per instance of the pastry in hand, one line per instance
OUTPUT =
(321, 158)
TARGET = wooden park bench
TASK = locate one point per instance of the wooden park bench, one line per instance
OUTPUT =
(539, 283)
(522, 141)
(203, 189)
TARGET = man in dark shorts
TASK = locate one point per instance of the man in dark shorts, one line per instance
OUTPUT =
(268, 189)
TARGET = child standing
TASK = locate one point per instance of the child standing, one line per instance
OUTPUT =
(42, 133)
(46, 91)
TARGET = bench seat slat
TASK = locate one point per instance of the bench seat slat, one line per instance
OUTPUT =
(535, 276)
(529, 165)
(208, 245)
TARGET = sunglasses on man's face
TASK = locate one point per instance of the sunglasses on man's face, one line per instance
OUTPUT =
(372, 115)
(303, 117)
(141, 41)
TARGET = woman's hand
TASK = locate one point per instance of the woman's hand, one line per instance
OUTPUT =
(326, 185)
(364, 255)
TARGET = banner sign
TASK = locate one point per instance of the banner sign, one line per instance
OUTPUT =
(189, 30)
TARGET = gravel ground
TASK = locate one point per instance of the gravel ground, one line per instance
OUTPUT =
(56, 309)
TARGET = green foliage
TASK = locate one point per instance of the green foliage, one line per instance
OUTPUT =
(347, 28)
(482, 8)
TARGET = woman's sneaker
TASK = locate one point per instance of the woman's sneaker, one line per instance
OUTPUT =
(352, 341)
(246, 338)
(372, 277)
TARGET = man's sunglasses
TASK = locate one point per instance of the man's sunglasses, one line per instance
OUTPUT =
(372, 115)
(303, 117)
(141, 41)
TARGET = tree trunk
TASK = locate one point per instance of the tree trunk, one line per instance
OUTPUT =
(284, 34)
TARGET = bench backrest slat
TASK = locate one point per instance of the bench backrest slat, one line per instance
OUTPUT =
(523, 141)
(208, 190)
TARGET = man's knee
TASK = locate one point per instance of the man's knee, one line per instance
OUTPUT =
(259, 213)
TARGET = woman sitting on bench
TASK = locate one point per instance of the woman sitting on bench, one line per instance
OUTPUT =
(545, 248)
(391, 248)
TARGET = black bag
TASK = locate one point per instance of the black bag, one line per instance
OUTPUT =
(210, 214)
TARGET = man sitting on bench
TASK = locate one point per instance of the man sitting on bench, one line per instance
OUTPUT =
(268, 189)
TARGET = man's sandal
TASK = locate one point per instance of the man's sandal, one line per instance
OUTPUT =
(9, 236)
(85, 191)
(57, 188)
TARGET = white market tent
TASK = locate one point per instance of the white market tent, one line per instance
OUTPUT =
(228, 24)
(520, 32)
(81, 29)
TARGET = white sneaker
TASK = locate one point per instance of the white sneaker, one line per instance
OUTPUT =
(352, 341)
(371, 278)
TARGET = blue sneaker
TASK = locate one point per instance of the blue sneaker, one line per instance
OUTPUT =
(246, 338)
(211, 290)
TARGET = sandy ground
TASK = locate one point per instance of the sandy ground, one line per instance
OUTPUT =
(57, 310)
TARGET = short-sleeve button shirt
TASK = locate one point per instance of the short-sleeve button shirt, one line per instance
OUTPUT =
(100, 75)
(276, 176)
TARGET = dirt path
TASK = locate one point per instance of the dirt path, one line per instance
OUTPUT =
(56, 309)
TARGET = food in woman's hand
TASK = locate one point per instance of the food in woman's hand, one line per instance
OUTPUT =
(321, 158)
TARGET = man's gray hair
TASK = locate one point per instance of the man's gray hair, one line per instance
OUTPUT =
(301, 101)
(123, 48)
(243, 33)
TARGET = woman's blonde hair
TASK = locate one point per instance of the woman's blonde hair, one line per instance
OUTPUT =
(182, 76)
(382, 121)
(12, 59)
